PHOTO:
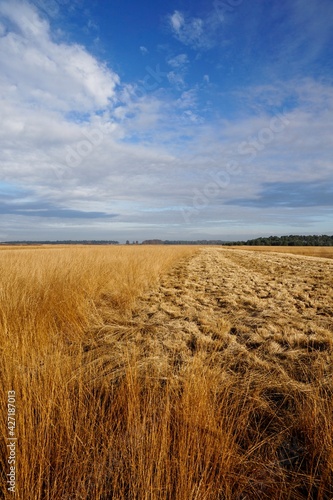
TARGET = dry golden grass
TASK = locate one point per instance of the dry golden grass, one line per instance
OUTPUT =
(326, 252)
(167, 373)
(51, 303)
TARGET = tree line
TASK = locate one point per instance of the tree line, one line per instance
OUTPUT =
(291, 240)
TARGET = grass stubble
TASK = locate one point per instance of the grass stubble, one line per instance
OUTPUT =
(167, 373)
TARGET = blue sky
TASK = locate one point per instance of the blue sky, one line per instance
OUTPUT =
(179, 120)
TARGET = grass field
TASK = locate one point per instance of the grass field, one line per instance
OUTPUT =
(167, 373)
(326, 252)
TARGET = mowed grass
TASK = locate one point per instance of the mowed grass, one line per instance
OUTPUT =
(326, 252)
(99, 416)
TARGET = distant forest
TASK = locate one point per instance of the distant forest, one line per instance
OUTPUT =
(291, 240)
(62, 242)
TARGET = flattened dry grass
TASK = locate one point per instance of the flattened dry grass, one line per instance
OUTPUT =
(158, 373)
(326, 252)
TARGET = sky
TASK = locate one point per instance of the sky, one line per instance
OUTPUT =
(173, 120)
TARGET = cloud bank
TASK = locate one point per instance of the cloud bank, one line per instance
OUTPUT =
(84, 152)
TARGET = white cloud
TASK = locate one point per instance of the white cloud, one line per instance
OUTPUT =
(142, 157)
(188, 99)
(177, 21)
(188, 31)
(58, 76)
(177, 76)
(195, 32)
(143, 50)
(25, 18)
(176, 79)
(178, 61)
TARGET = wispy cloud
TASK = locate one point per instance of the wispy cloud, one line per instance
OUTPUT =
(191, 31)
(176, 79)
(312, 23)
(177, 21)
(178, 61)
(143, 50)
(177, 76)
